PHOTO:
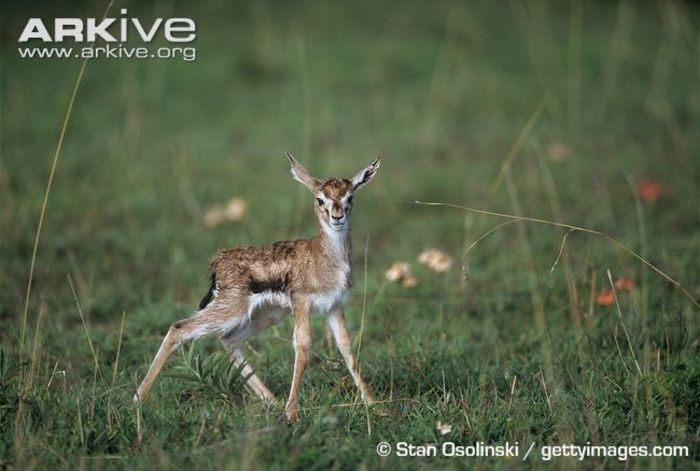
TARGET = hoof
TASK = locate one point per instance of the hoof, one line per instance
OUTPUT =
(292, 415)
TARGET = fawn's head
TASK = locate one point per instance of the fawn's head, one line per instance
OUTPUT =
(333, 197)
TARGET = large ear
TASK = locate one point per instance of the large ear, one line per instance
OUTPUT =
(302, 175)
(365, 175)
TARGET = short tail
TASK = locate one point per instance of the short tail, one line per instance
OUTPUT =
(210, 294)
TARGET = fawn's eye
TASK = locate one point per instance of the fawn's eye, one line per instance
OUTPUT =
(319, 201)
(350, 199)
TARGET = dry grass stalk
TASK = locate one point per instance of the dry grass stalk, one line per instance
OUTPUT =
(610, 239)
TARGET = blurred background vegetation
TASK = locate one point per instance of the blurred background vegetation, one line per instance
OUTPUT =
(581, 112)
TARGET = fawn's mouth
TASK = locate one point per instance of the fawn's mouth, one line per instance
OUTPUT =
(338, 226)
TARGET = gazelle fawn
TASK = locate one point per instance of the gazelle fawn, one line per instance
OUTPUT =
(253, 288)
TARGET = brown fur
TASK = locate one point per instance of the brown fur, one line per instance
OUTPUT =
(253, 288)
(295, 266)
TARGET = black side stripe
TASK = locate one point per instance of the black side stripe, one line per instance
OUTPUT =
(275, 285)
(210, 295)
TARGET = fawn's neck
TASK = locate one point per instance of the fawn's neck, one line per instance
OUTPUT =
(336, 244)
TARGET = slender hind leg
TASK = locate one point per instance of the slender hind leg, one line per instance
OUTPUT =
(261, 319)
(336, 320)
(180, 331)
(253, 381)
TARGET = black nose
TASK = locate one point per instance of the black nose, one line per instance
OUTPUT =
(337, 217)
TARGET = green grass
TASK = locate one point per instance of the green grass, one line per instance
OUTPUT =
(440, 91)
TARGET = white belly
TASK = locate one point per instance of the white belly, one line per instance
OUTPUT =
(265, 310)
(326, 301)
(321, 302)
(266, 300)
(268, 308)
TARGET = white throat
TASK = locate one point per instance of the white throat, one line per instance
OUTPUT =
(337, 238)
